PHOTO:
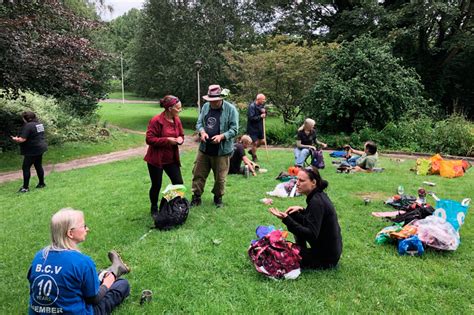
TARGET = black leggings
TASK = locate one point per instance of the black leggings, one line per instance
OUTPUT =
(156, 175)
(37, 161)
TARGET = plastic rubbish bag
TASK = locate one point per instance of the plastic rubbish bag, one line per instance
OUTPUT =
(437, 233)
(423, 166)
(411, 246)
(173, 191)
(452, 211)
(384, 235)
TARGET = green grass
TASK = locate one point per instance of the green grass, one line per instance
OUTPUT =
(188, 273)
(130, 96)
(74, 150)
(137, 116)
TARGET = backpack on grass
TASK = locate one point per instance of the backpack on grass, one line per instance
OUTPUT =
(172, 213)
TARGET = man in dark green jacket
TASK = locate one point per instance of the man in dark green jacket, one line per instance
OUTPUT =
(217, 125)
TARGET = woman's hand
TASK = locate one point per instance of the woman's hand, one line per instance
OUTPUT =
(293, 209)
(179, 140)
(324, 145)
(173, 141)
(108, 280)
(277, 213)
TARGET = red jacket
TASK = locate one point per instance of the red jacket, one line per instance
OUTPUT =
(160, 151)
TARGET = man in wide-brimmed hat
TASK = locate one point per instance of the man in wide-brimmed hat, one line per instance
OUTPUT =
(218, 124)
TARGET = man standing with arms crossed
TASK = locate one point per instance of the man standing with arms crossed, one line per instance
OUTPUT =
(255, 116)
(217, 124)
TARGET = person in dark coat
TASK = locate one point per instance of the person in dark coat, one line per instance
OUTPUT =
(255, 115)
(32, 147)
(316, 225)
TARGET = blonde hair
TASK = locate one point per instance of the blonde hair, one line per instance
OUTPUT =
(61, 222)
(246, 139)
(307, 121)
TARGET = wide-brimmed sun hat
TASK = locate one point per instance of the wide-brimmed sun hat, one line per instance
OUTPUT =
(213, 93)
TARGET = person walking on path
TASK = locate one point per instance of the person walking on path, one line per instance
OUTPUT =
(163, 136)
(255, 119)
(63, 280)
(217, 125)
(32, 147)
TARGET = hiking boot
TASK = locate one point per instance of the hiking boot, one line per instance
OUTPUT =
(23, 190)
(218, 201)
(196, 201)
(43, 185)
(118, 267)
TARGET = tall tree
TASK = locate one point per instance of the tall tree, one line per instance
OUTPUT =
(47, 48)
(174, 34)
(434, 37)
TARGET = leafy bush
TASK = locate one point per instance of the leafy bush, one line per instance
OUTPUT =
(454, 135)
(362, 85)
(282, 134)
(60, 126)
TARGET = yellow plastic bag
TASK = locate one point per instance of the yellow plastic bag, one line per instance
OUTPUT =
(423, 166)
(451, 169)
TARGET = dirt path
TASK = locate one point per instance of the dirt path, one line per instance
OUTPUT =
(189, 144)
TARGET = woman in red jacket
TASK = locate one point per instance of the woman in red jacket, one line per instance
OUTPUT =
(164, 134)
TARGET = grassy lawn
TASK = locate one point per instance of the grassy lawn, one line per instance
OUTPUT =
(189, 273)
(137, 116)
(130, 96)
(69, 151)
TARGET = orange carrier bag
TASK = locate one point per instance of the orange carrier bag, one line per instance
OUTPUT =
(451, 169)
(435, 163)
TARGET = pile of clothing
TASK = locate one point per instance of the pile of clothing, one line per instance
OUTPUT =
(417, 225)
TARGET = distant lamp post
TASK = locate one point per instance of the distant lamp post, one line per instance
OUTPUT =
(198, 64)
(121, 70)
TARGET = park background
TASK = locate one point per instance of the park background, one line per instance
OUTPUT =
(397, 72)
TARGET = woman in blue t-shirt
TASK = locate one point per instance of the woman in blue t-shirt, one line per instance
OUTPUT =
(63, 280)
(32, 147)
(305, 141)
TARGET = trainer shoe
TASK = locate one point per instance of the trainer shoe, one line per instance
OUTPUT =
(23, 190)
(195, 201)
(43, 185)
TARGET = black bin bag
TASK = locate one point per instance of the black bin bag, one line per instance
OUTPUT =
(172, 213)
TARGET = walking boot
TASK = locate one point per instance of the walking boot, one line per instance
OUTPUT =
(196, 201)
(118, 267)
(218, 201)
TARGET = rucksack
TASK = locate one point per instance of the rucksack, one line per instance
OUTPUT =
(317, 159)
(275, 257)
(172, 213)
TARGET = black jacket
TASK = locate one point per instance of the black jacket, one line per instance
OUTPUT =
(318, 226)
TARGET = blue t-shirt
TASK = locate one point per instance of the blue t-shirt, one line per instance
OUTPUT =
(61, 283)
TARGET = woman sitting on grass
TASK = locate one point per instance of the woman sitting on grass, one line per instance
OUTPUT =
(63, 280)
(316, 225)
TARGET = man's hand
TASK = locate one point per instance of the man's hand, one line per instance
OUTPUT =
(217, 138)
(263, 115)
(204, 136)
